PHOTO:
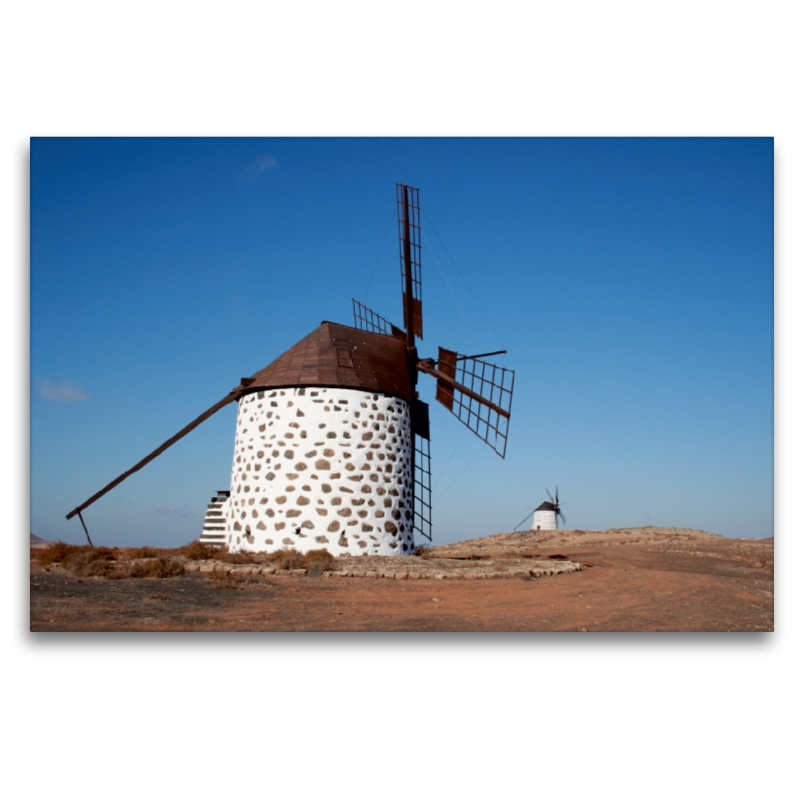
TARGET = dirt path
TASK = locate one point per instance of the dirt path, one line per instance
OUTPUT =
(638, 580)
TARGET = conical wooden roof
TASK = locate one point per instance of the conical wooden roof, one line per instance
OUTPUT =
(342, 357)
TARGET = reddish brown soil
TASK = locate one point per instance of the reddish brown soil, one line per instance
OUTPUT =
(633, 580)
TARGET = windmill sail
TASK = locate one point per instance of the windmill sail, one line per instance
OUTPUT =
(477, 392)
(420, 430)
(422, 487)
(367, 320)
(408, 226)
(556, 506)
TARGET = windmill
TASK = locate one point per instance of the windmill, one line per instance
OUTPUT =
(332, 444)
(545, 517)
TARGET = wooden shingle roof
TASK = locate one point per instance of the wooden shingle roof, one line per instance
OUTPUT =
(339, 356)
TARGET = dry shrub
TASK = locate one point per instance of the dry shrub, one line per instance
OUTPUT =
(422, 551)
(133, 553)
(161, 567)
(101, 569)
(56, 552)
(107, 562)
(198, 551)
(105, 553)
(239, 558)
(90, 561)
(233, 580)
(286, 559)
(142, 552)
(317, 561)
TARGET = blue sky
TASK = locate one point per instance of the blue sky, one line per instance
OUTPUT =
(631, 281)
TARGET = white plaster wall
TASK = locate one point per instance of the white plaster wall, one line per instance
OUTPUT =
(544, 520)
(322, 468)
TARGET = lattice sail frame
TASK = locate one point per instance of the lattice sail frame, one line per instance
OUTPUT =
(411, 250)
(367, 320)
(495, 385)
(421, 431)
(422, 487)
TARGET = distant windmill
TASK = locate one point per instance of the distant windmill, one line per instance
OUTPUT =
(545, 517)
(332, 443)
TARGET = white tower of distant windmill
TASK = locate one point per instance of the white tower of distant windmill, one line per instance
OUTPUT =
(545, 517)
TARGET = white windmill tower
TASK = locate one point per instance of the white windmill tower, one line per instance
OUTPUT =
(332, 443)
(545, 517)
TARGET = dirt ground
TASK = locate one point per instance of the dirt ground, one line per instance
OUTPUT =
(639, 579)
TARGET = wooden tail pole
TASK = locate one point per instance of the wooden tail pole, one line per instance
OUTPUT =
(86, 530)
(233, 395)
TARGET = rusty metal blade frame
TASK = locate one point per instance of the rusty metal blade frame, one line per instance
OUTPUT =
(367, 320)
(422, 487)
(411, 250)
(481, 398)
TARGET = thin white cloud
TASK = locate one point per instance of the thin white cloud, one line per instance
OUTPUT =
(261, 165)
(64, 392)
(171, 511)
